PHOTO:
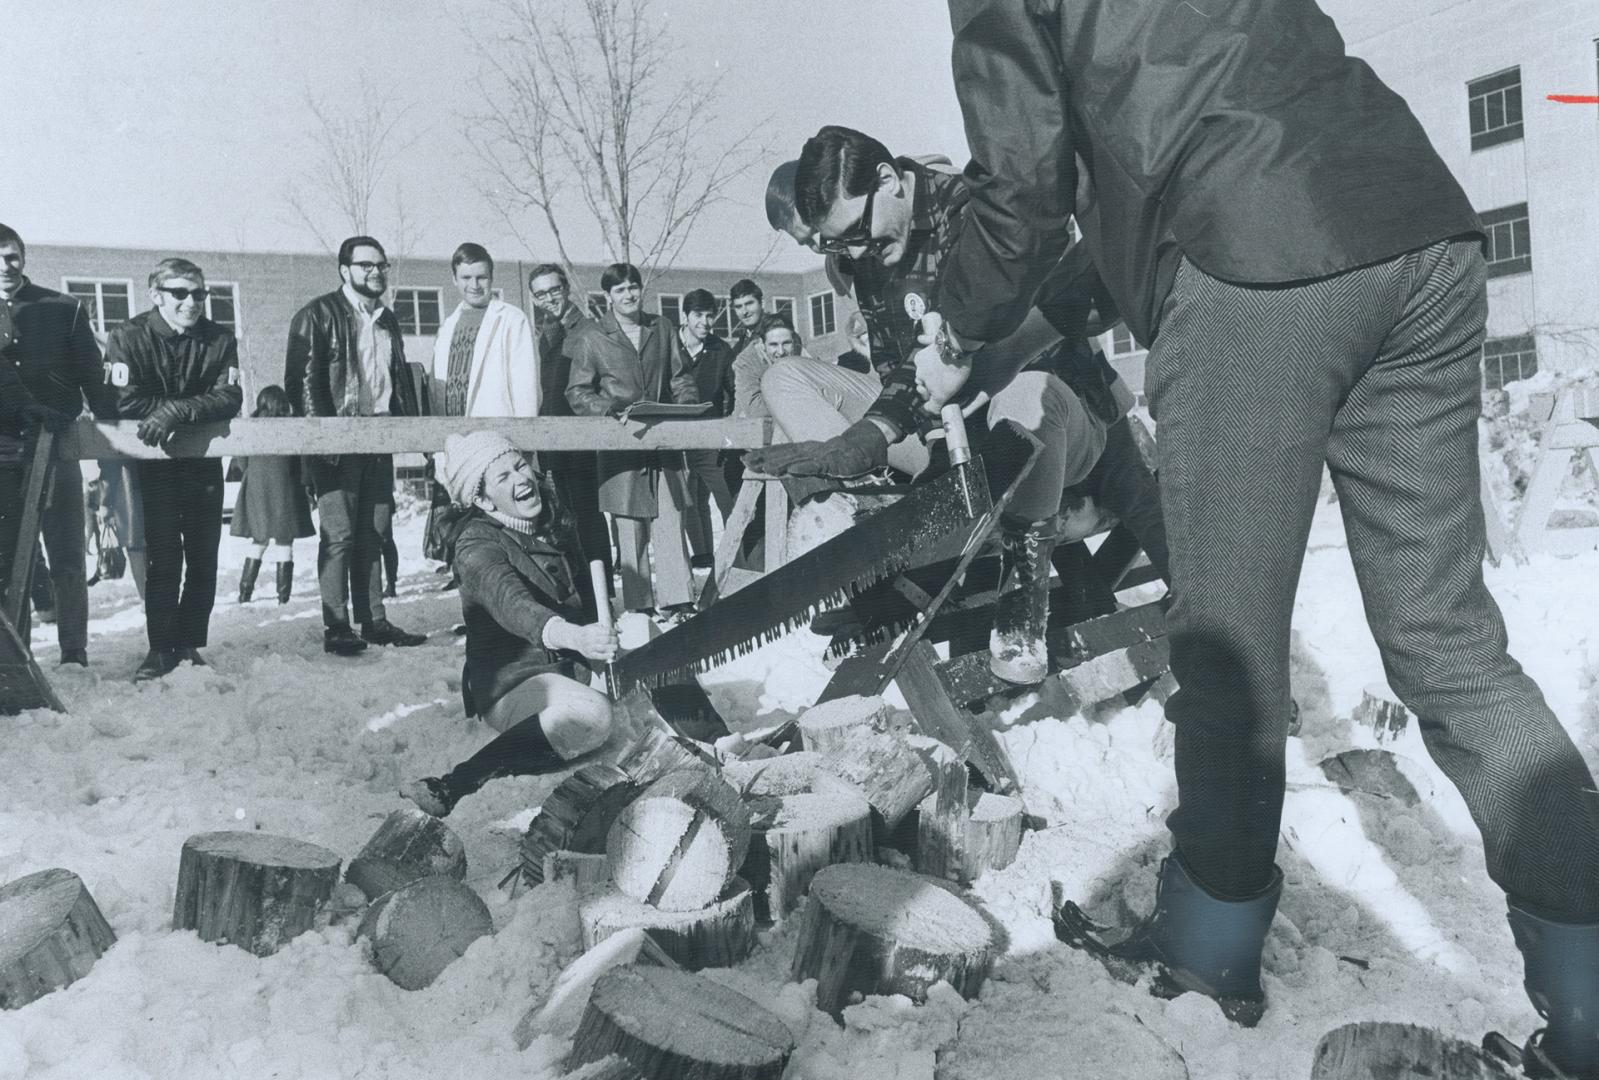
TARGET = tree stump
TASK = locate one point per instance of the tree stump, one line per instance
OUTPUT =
(671, 1024)
(785, 774)
(680, 843)
(797, 835)
(984, 834)
(1371, 1049)
(51, 933)
(562, 1008)
(872, 930)
(656, 753)
(718, 936)
(576, 816)
(252, 889)
(611, 1067)
(420, 929)
(1381, 711)
(832, 725)
(884, 769)
(410, 844)
(585, 872)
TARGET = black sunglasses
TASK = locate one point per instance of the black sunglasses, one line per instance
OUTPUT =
(860, 236)
(180, 293)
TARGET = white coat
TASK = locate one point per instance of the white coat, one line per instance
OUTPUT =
(505, 363)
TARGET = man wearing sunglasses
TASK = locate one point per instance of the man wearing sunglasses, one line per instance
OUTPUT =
(171, 366)
(345, 357)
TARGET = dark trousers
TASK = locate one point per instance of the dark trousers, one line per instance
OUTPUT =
(1373, 373)
(578, 485)
(62, 528)
(182, 529)
(355, 508)
(707, 484)
(1124, 485)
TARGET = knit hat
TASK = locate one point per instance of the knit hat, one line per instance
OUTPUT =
(466, 461)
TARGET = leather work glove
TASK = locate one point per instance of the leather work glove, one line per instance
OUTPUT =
(860, 449)
(159, 425)
(52, 420)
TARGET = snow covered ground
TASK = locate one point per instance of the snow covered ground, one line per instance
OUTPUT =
(1388, 913)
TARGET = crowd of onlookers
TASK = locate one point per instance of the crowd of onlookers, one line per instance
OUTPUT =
(646, 515)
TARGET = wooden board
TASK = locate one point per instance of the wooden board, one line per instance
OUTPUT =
(941, 718)
(1375, 1049)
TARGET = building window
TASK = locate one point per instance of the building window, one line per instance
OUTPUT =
(1509, 240)
(417, 310)
(823, 319)
(1122, 342)
(783, 305)
(1495, 108)
(109, 303)
(1506, 359)
(725, 321)
(599, 304)
(670, 306)
(222, 305)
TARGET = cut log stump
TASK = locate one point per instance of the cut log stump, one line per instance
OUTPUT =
(1375, 1049)
(420, 929)
(562, 1008)
(673, 1024)
(576, 816)
(785, 774)
(51, 933)
(656, 753)
(252, 889)
(680, 843)
(611, 1067)
(1381, 711)
(984, 835)
(884, 769)
(873, 930)
(835, 724)
(797, 835)
(410, 844)
(718, 936)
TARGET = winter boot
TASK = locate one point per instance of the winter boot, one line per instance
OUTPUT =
(1018, 653)
(1196, 941)
(252, 567)
(285, 581)
(1562, 979)
(431, 795)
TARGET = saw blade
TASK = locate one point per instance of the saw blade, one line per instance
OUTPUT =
(900, 535)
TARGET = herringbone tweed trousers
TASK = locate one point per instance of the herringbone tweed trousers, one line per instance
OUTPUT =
(1375, 373)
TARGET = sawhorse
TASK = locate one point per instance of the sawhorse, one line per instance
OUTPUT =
(22, 684)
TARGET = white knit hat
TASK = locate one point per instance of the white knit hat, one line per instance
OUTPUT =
(466, 460)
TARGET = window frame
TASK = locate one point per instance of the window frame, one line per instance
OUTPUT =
(97, 316)
(1495, 88)
(831, 312)
(1500, 224)
(1517, 347)
(725, 325)
(438, 295)
(596, 303)
(677, 302)
(238, 309)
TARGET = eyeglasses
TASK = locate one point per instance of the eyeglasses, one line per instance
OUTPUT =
(368, 267)
(180, 294)
(858, 237)
(550, 294)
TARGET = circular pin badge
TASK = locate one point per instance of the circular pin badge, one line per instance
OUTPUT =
(915, 306)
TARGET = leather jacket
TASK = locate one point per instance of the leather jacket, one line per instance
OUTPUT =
(194, 375)
(321, 367)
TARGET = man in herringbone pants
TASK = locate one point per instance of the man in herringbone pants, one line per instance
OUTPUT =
(1274, 224)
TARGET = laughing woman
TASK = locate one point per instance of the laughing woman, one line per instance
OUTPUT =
(528, 635)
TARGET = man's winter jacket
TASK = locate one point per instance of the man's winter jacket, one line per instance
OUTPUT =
(321, 367)
(193, 376)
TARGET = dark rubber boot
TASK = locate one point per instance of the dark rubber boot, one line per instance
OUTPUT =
(285, 581)
(1562, 979)
(1017, 649)
(252, 567)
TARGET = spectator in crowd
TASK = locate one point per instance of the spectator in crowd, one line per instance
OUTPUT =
(708, 359)
(47, 338)
(345, 357)
(529, 632)
(624, 357)
(485, 363)
(555, 316)
(271, 510)
(172, 366)
(747, 302)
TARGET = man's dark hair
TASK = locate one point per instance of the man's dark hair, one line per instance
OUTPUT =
(8, 235)
(700, 300)
(780, 210)
(548, 268)
(167, 269)
(347, 249)
(745, 287)
(471, 253)
(773, 321)
(619, 274)
(837, 161)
